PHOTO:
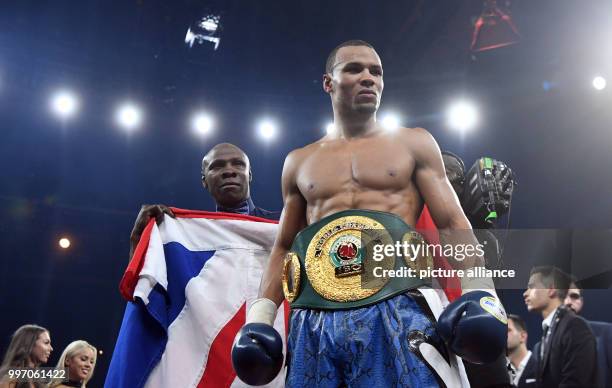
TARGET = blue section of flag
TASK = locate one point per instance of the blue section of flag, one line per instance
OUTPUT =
(143, 334)
(182, 265)
(137, 349)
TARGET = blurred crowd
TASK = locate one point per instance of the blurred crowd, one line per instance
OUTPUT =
(30, 348)
(572, 351)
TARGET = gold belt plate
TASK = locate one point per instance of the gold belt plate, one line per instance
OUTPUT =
(334, 259)
(291, 276)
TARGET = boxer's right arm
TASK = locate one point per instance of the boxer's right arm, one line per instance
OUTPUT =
(292, 220)
(257, 353)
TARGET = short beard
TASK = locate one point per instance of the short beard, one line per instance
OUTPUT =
(366, 109)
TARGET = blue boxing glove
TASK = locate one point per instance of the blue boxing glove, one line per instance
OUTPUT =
(257, 353)
(475, 326)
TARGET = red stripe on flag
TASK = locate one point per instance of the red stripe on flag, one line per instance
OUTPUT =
(132, 272)
(184, 213)
(219, 371)
(286, 310)
(426, 225)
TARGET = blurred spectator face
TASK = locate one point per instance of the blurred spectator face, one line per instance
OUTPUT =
(515, 337)
(574, 299)
(537, 296)
(42, 349)
(80, 366)
(454, 173)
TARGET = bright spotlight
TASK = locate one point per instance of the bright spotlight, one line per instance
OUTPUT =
(599, 83)
(202, 124)
(129, 116)
(462, 115)
(64, 104)
(64, 243)
(267, 130)
(330, 128)
(390, 122)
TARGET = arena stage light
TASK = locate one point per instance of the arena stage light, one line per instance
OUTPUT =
(330, 128)
(462, 115)
(267, 130)
(599, 83)
(390, 121)
(64, 104)
(64, 243)
(129, 116)
(202, 124)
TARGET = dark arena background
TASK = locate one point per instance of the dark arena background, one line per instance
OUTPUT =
(107, 105)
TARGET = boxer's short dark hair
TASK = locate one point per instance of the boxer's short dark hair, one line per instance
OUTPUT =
(332, 56)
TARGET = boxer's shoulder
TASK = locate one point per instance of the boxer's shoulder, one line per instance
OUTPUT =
(409, 137)
(292, 164)
(299, 155)
(420, 142)
(417, 134)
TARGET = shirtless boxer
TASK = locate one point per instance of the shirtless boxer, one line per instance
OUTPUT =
(361, 173)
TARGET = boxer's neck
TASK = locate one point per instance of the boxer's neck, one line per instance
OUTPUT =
(357, 125)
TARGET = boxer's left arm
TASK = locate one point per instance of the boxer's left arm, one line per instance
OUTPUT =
(474, 325)
(441, 199)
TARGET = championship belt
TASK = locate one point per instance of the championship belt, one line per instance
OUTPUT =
(332, 264)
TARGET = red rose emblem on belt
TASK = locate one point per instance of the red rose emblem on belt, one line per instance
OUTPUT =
(347, 251)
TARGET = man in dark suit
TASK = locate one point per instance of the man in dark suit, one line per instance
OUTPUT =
(603, 335)
(602, 331)
(523, 362)
(567, 351)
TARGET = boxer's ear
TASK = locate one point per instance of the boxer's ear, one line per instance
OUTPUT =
(327, 83)
(250, 175)
(204, 184)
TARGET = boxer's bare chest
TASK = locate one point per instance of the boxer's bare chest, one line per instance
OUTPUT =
(360, 166)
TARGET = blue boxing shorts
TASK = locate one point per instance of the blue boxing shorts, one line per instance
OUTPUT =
(362, 347)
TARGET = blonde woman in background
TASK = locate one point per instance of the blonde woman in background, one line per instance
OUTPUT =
(79, 358)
